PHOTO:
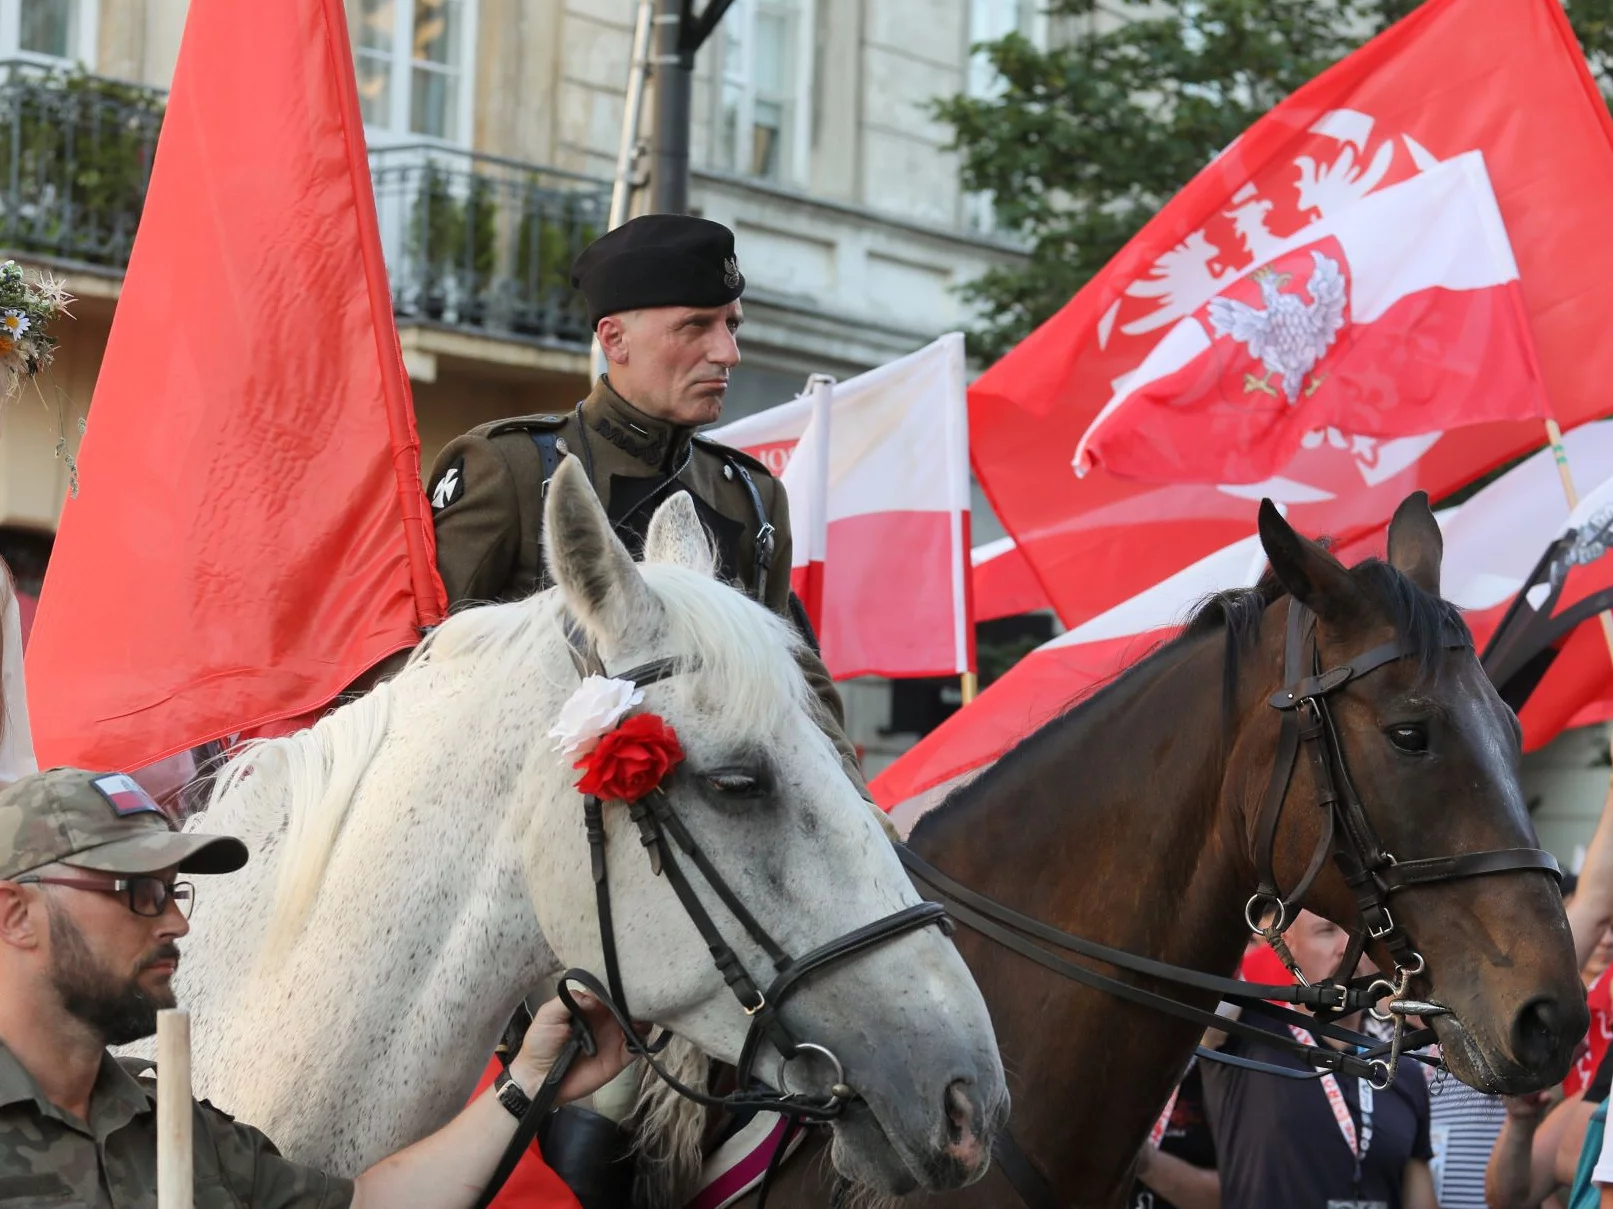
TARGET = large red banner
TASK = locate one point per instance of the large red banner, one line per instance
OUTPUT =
(250, 534)
(1504, 78)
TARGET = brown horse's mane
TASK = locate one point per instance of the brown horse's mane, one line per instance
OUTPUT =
(1425, 622)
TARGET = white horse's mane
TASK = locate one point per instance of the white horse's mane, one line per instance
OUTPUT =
(746, 652)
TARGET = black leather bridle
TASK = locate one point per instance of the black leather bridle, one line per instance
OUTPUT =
(1372, 873)
(667, 842)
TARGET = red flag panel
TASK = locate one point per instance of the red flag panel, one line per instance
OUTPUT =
(1511, 84)
(250, 534)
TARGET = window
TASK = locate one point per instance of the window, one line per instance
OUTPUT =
(49, 30)
(764, 112)
(414, 60)
(990, 21)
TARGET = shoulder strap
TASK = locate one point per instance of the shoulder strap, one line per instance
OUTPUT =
(547, 441)
(764, 527)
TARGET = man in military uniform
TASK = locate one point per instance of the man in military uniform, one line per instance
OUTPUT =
(663, 295)
(90, 915)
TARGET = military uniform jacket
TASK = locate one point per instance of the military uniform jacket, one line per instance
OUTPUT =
(486, 492)
(49, 1158)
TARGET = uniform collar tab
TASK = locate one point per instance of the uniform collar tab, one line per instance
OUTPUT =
(657, 443)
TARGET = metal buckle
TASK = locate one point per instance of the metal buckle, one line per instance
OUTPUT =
(761, 1002)
(1388, 925)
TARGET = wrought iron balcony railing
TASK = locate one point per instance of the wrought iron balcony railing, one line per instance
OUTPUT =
(477, 241)
(75, 156)
(472, 241)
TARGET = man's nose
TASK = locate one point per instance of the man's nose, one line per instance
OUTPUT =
(726, 352)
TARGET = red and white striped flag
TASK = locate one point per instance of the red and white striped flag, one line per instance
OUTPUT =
(877, 473)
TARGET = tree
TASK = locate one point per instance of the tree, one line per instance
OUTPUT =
(1082, 143)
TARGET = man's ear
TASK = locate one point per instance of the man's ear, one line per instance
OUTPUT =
(612, 334)
(19, 925)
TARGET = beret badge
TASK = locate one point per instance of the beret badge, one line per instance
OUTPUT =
(730, 273)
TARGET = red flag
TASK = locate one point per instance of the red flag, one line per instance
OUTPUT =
(1004, 584)
(1493, 547)
(251, 533)
(1513, 85)
(1397, 316)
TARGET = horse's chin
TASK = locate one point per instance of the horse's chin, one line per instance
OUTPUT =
(1469, 1062)
(862, 1152)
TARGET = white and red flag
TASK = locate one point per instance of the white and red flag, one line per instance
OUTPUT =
(1494, 548)
(1004, 584)
(1398, 316)
(877, 472)
(1501, 77)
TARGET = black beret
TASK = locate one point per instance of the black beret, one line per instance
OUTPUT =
(658, 260)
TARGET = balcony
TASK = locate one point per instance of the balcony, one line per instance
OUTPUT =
(474, 243)
(483, 243)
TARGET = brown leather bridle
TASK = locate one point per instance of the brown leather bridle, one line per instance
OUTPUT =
(1373, 874)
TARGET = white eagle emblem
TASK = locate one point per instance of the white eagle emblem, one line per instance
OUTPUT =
(730, 273)
(1289, 336)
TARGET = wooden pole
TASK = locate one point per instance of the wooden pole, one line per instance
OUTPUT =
(175, 1173)
(971, 686)
(1554, 434)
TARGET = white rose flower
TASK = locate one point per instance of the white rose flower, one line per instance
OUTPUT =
(592, 713)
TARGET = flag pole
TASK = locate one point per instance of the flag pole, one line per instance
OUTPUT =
(971, 686)
(1554, 434)
(175, 1171)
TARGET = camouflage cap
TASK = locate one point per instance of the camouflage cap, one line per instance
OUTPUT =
(102, 821)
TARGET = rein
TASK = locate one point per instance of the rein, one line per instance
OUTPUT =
(1372, 873)
(664, 837)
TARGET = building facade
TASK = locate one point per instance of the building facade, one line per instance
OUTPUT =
(494, 128)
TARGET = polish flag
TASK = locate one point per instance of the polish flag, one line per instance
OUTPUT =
(1500, 77)
(1004, 584)
(1493, 546)
(878, 484)
(1399, 316)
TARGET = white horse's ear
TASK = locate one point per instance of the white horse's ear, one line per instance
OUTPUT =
(676, 536)
(587, 560)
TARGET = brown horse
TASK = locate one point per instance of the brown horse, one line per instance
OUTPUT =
(1131, 820)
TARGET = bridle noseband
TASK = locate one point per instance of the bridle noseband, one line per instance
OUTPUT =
(667, 842)
(1372, 873)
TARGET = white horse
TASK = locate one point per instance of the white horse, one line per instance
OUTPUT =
(419, 864)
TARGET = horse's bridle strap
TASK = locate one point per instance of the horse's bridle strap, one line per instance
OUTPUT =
(1400, 874)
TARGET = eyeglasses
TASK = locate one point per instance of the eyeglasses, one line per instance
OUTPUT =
(147, 896)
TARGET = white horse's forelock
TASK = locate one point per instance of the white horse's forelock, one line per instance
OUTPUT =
(747, 653)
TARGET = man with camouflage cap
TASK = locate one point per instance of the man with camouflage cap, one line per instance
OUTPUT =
(90, 916)
(663, 295)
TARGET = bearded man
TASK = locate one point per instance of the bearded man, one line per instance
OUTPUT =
(90, 920)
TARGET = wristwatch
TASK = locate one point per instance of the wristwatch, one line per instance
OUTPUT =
(510, 1094)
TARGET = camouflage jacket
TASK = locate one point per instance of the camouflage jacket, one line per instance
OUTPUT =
(50, 1158)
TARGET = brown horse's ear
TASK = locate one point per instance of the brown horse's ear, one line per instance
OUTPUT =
(1415, 543)
(1312, 576)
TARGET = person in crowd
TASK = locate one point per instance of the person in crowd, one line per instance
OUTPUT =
(1317, 1143)
(1176, 1166)
(1540, 1146)
(91, 913)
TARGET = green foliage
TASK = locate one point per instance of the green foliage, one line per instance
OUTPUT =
(1083, 143)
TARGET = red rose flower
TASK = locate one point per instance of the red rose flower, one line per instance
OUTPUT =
(631, 760)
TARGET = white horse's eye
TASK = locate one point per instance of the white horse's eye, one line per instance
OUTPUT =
(736, 784)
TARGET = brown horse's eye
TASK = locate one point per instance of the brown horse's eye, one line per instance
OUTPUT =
(1409, 737)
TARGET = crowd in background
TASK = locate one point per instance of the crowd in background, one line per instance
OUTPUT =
(1252, 1140)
